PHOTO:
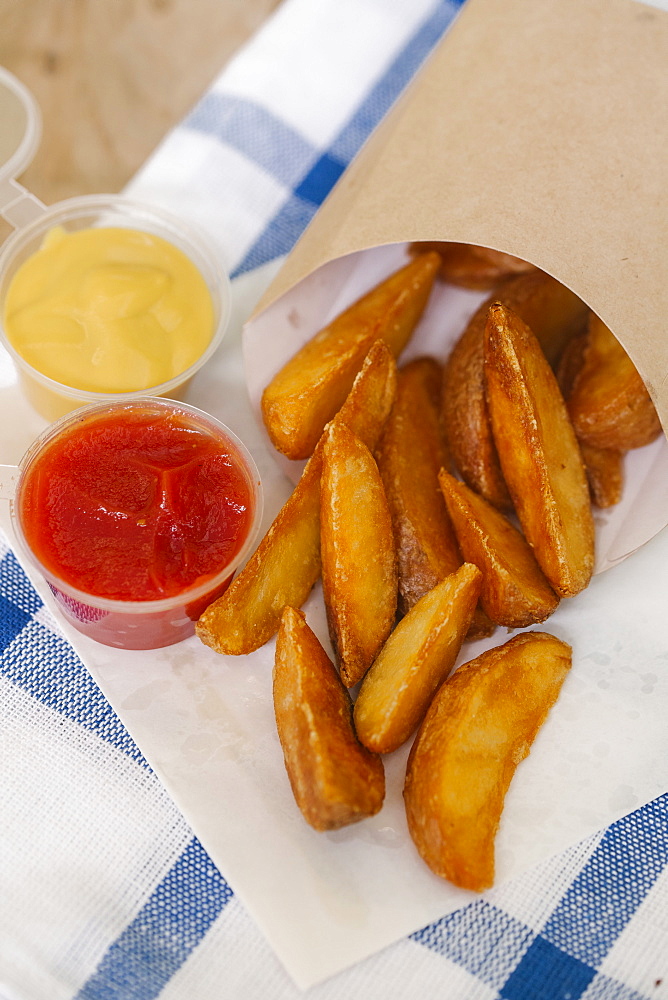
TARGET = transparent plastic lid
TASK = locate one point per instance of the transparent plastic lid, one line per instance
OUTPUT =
(19, 137)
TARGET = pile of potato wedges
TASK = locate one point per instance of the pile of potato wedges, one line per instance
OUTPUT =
(439, 502)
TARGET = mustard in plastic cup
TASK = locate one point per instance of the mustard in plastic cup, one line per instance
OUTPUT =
(53, 397)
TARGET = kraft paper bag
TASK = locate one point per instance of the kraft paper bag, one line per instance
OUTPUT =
(537, 127)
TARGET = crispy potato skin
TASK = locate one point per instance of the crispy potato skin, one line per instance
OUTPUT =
(554, 313)
(410, 453)
(538, 452)
(571, 361)
(415, 660)
(515, 591)
(334, 779)
(605, 474)
(286, 564)
(471, 266)
(604, 466)
(608, 403)
(359, 566)
(370, 401)
(312, 386)
(479, 726)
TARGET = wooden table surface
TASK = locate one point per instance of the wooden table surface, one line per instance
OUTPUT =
(113, 76)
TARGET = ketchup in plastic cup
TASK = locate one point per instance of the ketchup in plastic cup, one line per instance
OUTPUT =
(137, 514)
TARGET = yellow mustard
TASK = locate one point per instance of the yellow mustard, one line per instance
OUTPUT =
(108, 310)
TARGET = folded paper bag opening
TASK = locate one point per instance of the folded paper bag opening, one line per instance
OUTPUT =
(547, 173)
(282, 329)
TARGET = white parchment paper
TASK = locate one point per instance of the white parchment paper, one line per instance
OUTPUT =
(205, 722)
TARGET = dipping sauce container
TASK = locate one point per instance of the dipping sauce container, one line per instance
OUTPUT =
(137, 513)
(101, 297)
(104, 298)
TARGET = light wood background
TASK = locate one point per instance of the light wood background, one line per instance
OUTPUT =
(113, 76)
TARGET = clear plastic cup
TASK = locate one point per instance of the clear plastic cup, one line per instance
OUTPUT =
(137, 624)
(53, 399)
(32, 220)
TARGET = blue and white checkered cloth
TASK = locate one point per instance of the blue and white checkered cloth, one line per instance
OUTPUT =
(105, 894)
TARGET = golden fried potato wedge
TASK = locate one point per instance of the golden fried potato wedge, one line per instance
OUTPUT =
(359, 566)
(538, 452)
(609, 404)
(554, 313)
(480, 725)
(471, 266)
(410, 452)
(370, 401)
(605, 474)
(414, 662)
(571, 361)
(334, 779)
(286, 564)
(312, 386)
(515, 591)
(604, 466)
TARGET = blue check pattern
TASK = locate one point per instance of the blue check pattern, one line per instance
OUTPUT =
(564, 959)
(577, 949)
(306, 172)
(170, 925)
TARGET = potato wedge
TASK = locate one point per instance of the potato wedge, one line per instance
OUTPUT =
(359, 566)
(609, 404)
(605, 474)
(286, 564)
(554, 313)
(419, 654)
(515, 591)
(471, 266)
(410, 452)
(311, 387)
(538, 452)
(604, 466)
(480, 725)
(571, 361)
(334, 779)
(370, 401)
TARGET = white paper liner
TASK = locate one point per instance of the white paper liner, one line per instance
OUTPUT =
(205, 722)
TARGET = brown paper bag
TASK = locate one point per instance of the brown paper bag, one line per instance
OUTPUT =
(537, 127)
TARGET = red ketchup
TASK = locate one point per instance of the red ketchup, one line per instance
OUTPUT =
(137, 515)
